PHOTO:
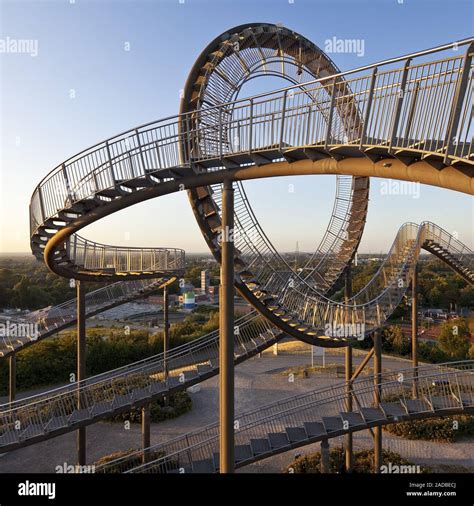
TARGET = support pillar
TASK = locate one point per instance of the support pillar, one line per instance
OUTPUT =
(348, 375)
(325, 460)
(12, 377)
(377, 398)
(414, 331)
(166, 337)
(146, 433)
(226, 334)
(81, 365)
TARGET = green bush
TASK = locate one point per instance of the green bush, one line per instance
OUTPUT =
(434, 429)
(121, 467)
(363, 461)
(178, 404)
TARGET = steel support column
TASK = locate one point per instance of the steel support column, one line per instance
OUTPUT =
(12, 377)
(226, 333)
(166, 331)
(377, 398)
(81, 364)
(325, 457)
(348, 375)
(166, 337)
(414, 331)
(146, 433)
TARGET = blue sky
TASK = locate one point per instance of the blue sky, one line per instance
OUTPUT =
(81, 47)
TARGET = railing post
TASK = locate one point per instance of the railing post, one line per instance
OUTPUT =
(12, 377)
(282, 126)
(81, 366)
(331, 114)
(414, 331)
(363, 136)
(146, 433)
(251, 126)
(220, 133)
(399, 104)
(111, 167)
(411, 112)
(458, 100)
(226, 334)
(41, 201)
(377, 398)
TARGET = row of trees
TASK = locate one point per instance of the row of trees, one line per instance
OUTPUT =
(454, 342)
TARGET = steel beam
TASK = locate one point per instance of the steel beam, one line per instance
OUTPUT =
(325, 457)
(81, 365)
(166, 338)
(414, 330)
(146, 442)
(348, 375)
(12, 377)
(226, 333)
(166, 331)
(377, 398)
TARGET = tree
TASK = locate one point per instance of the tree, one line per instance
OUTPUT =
(455, 338)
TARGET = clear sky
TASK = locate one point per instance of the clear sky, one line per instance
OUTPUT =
(84, 86)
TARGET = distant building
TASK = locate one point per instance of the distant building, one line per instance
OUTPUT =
(188, 300)
(205, 280)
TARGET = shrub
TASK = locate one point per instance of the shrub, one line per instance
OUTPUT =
(363, 461)
(434, 429)
(178, 404)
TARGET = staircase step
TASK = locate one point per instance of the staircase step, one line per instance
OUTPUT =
(393, 409)
(173, 382)
(190, 375)
(203, 466)
(56, 422)
(259, 446)
(32, 430)
(79, 415)
(296, 434)
(204, 369)
(314, 429)
(416, 406)
(332, 423)
(101, 408)
(372, 414)
(354, 419)
(278, 440)
(140, 394)
(9, 437)
(158, 387)
(121, 400)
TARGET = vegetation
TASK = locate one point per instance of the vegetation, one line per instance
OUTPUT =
(53, 360)
(444, 429)
(134, 461)
(363, 462)
(176, 405)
